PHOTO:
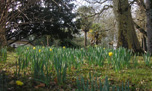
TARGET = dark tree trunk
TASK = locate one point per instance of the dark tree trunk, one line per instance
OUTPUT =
(85, 39)
(127, 37)
(47, 37)
(96, 39)
(3, 41)
(144, 46)
(149, 24)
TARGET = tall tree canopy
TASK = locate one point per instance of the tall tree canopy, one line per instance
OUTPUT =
(85, 21)
(46, 17)
(6, 15)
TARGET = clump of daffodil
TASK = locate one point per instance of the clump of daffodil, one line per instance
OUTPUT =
(110, 54)
(19, 83)
(34, 48)
(39, 50)
(6, 74)
(63, 47)
(50, 49)
(103, 48)
(95, 45)
(88, 46)
(90, 30)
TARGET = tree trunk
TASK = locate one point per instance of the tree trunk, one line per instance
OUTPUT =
(149, 24)
(144, 46)
(47, 40)
(127, 37)
(85, 39)
(96, 39)
(3, 41)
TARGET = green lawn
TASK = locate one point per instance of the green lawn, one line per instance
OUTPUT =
(139, 77)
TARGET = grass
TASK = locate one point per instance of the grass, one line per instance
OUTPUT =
(139, 77)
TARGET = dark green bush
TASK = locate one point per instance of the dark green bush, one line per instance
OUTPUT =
(3, 54)
(69, 43)
(10, 49)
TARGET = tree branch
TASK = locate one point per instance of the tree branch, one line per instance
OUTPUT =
(96, 2)
(140, 29)
(106, 7)
(141, 4)
(132, 2)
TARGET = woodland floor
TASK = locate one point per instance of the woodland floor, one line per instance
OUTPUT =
(140, 78)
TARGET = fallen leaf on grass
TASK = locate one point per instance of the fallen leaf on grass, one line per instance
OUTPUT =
(40, 85)
(56, 80)
(61, 90)
(11, 82)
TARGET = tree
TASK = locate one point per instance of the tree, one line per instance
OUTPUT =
(85, 21)
(149, 24)
(54, 18)
(147, 7)
(96, 33)
(140, 22)
(127, 37)
(6, 15)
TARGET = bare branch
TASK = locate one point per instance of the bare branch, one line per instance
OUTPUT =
(106, 7)
(131, 3)
(96, 2)
(141, 4)
(140, 29)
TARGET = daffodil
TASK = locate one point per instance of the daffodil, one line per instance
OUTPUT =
(27, 48)
(43, 47)
(63, 47)
(19, 83)
(6, 74)
(95, 45)
(90, 30)
(39, 50)
(110, 54)
(50, 49)
(104, 48)
(34, 48)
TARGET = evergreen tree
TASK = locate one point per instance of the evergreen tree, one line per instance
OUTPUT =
(47, 17)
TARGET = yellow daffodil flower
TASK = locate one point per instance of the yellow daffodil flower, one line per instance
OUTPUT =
(104, 48)
(27, 48)
(39, 50)
(63, 47)
(34, 48)
(19, 83)
(50, 49)
(90, 30)
(110, 54)
(95, 45)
